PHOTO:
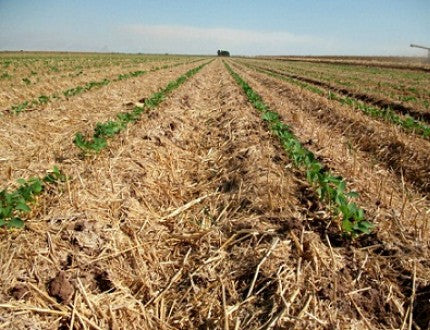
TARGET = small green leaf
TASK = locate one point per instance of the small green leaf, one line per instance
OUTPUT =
(16, 223)
(352, 194)
(347, 226)
(21, 181)
(23, 207)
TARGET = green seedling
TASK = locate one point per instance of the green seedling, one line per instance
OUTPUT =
(7, 63)
(13, 204)
(130, 75)
(329, 188)
(43, 99)
(406, 122)
(408, 98)
(95, 144)
(5, 75)
(106, 130)
(73, 91)
(20, 107)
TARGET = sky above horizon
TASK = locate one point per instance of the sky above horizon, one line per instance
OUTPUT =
(270, 27)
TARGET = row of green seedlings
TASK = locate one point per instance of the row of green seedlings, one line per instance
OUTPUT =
(406, 122)
(5, 75)
(14, 204)
(328, 77)
(357, 80)
(25, 80)
(43, 99)
(106, 130)
(330, 188)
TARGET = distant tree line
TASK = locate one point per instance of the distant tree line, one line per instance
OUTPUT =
(223, 53)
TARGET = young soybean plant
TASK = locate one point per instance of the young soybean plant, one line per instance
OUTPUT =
(14, 203)
(106, 130)
(330, 188)
(407, 122)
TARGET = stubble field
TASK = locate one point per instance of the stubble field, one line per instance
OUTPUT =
(167, 192)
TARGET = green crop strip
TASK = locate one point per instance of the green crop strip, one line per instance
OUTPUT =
(5, 75)
(330, 188)
(406, 122)
(12, 204)
(106, 130)
(43, 99)
(87, 87)
(130, 75)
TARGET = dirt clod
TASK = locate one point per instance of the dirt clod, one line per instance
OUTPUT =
(79, 226)
(19, 292)
(61, 288)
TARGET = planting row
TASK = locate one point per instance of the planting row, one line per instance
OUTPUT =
(37, 84)
(417, 64)
(13, 204)
(103, 131)
(405, 155)
(401, 89)
(43, 99)
(405, 94)
(16, 68)
(406, 122)
(330, 188)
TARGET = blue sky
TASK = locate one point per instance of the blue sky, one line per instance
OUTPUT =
(324, 27)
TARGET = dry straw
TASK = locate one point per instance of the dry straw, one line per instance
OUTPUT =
(194, 218)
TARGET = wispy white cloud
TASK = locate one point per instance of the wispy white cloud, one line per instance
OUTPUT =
(188, 39)
(198, 40)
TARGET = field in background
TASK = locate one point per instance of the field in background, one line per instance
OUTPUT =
(165, 191)
(412, 63)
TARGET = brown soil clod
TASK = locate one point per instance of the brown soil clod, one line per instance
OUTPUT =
(229, 186)
(61, 288)
(172, 126)
(19, 291)
(79, 226)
